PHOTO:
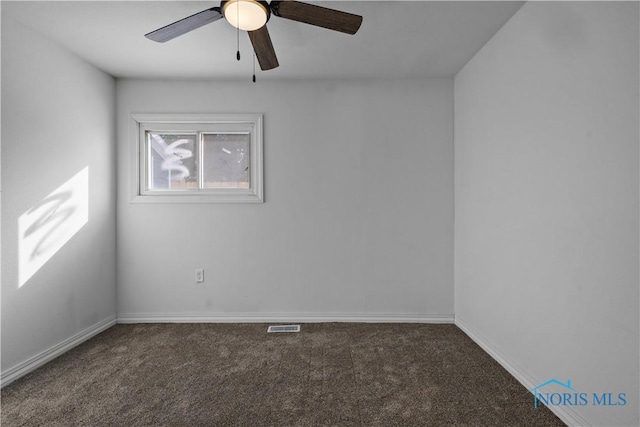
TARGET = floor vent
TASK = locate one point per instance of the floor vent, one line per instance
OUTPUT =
(284, 328)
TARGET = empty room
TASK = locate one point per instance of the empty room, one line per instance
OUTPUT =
(324, 213)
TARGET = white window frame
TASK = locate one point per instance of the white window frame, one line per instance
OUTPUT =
(244, 123)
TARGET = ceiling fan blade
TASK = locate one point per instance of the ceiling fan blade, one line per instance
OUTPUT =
(185, 25)
(263, 48)
(317, 15)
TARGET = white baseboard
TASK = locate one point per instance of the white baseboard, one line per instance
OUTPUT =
(51, 353)
(565, 413)
(282, 317)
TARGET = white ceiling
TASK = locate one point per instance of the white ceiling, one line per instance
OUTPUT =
(398, 39)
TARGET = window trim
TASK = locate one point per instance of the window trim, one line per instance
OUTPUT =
(140, 123)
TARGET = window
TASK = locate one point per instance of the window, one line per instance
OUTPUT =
(197, 158)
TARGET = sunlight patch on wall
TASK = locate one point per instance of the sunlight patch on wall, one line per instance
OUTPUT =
(49, 225)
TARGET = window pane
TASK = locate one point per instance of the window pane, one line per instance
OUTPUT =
(172, 161)
(226, 160)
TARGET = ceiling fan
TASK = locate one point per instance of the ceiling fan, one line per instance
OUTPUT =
(252, 16)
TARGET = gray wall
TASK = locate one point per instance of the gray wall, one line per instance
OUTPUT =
(546, 196)
(58, 118)
(358, 219)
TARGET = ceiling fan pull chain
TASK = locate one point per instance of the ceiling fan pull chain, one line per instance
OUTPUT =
(254, 67)
(238, 34)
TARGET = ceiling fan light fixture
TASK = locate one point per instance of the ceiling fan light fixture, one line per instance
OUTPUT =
(252, 15)
(247, 15)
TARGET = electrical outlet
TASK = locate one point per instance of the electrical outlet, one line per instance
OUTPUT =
(199, 275)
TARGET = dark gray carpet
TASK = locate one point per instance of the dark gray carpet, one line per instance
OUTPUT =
(341, 374)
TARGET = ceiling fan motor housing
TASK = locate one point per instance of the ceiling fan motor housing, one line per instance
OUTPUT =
(254, 5)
